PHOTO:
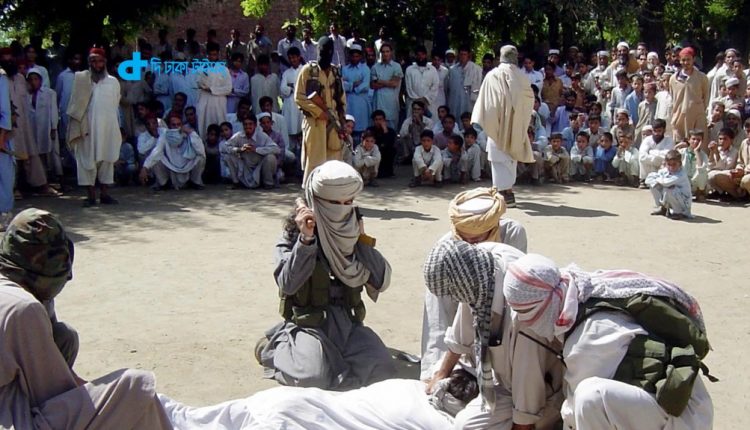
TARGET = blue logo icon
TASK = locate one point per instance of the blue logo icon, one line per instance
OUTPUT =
(130, 70)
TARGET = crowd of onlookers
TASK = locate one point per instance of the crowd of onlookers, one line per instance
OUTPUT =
(608, 116)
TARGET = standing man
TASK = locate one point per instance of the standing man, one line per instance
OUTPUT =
(215, 85)
(319, 93)
(422, 82)
(309, 48)
(442, 71)
(464, 81)
(339, 46)
(284, 44)
(289, 110)
(534, 76)
(385, 80)
(357, 86)
(264, 83)
(258, 45)
(93, 130)
(503, 109)
(690, 97)
(7, 164)
(240, 82)
(235, 45)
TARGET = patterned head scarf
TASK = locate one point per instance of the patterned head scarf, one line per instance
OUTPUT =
(477, 211)
(337, 225)
(36, 253)
(466, 273)
(546, 299)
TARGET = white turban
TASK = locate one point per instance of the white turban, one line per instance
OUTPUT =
(623, 45)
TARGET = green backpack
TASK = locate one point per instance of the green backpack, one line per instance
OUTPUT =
(666, 361)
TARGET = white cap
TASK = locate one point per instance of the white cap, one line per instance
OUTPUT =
(450, 51)
(602, 54)
(554, 52)
(476, 206)
(350, 118)
(623, 45)
(729, 82)
(647, 127)
(734, 112)
(355, 47)
(621, 110)
(263, 115)
(652, 54)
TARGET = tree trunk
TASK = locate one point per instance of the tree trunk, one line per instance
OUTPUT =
(553, 21)
(651, 24)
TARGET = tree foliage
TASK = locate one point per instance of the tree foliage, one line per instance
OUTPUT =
(85, 21)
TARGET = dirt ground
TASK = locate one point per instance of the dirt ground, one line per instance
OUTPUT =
(180, 283)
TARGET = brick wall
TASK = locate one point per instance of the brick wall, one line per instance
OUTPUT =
(224, 15)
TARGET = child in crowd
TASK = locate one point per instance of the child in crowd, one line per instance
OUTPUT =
(722, 161)
(715, 120)
(695, 163)
(366, 159)
(556, 160)
(626, 160)
(126, 165)
(622, 120)
(427, 162)
(212, 171)
(581, 158)
(570, 133)
(226, 133)
(449, 125)
(670, 188)
(455, 161)
(604, 154)
(347, 152)
(473, 155)
(594, 131)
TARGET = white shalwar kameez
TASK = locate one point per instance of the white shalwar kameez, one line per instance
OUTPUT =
(651, 154)
(214, 86)
(593, 401)
(180, 163)
(503, 167)
(289, 109)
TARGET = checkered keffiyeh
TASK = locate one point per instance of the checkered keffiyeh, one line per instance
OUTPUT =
(466, 273)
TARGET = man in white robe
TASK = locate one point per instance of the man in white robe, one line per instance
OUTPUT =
(179, 157)
(464, 80)
(503, 110)
(422, 82)
(43, 118)
(264, 83)
(251, 157)
(214, 86)
(652, 151)
(289, 109)
(63, 89)
(442, 71)
(94, 131)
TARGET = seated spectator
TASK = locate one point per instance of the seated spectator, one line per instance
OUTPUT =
(385, 138)
(40, 390)
(366, 159)
(448, 130)
(126, 166)
(474, 161)
(670, 188)
(570, 134)
(732, 120)
(427, 163)
(556, 160)
(715, 121)
(285, 158)
(412, 128)
(653, 149)
(646, 131)
(722, 165)
(279, 122)
(622, 120)
(695, 164)
(347, 151)
(147, 140)
(603, 156)
(455, 161)
(626, 160)
(581, 158)
(191, 118)
(251, 157)
(594, 130)
(212, 172)
(244, 106)
(533, 171)
(227, 131)
(437, 123)
(562, 116)
(179, 157)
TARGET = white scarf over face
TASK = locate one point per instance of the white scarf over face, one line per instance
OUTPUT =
(337, 225)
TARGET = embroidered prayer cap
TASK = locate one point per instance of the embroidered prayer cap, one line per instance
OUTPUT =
(37, 254)
(731, 82)
(466, 273)
(477, 211)
(509, 54)
(533, 289)
(335, 180)
(94, 52)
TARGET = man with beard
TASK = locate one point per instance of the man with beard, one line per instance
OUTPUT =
(464, 80)
(319, 93)
(690, 97)
(63, 88)
(623, 63)
(503, 110)
(356, 78)
(93, 130)
(422, 82)
(24, 145)
(215, 85)
(599, 73)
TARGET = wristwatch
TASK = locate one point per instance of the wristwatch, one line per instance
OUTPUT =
(306, 240)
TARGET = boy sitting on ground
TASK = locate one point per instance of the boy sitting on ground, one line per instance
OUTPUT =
(603, 156)
(556, 160)
(455, 161)
(581, 158)
(626, 160)
(670, 187)
(427, 163)
(473, 154)
(367, 159)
